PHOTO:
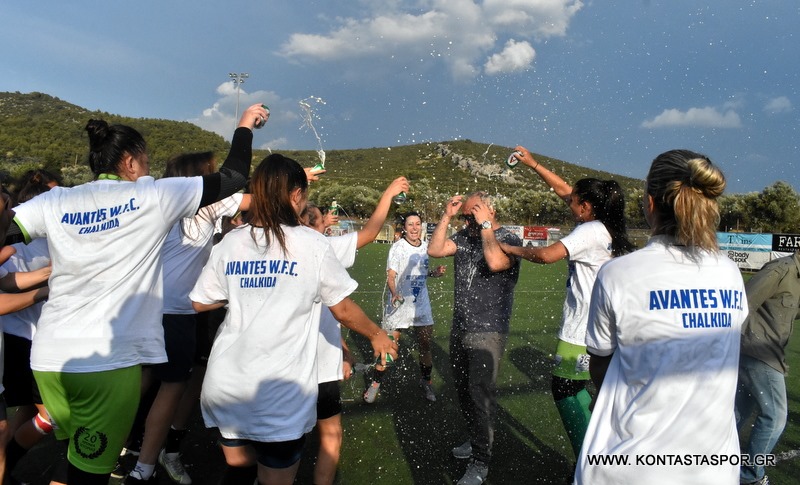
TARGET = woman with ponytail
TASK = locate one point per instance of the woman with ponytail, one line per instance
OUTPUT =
(102, 321)
(599, 210)
(663, 333)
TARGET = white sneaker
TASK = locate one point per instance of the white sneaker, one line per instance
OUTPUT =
(476, 473)
(174, 468)
(427, 387)
(371, 394)
(463, 451)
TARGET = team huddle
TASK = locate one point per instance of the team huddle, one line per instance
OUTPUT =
(133, 271)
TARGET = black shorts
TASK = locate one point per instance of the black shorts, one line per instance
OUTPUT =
(21, 388)
(179, 341)
(329, 400)
(207, 325)
(277, 454)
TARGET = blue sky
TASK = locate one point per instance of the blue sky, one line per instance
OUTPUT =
(601, 85)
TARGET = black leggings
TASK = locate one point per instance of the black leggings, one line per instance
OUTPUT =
(76, 476)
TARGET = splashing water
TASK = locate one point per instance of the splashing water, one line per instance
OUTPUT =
(308, 122)
(487, 151)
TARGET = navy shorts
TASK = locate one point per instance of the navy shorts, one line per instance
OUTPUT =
(329, 400)
(274, 454)
(179, 340)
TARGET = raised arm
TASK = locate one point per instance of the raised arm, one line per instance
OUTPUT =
(559, 186)
(373, 226)
(233, 174)
(496, 258)
(439, 245)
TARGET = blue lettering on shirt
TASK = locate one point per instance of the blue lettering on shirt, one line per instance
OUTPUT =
(251, 271)
(98, 220)
(688, 298)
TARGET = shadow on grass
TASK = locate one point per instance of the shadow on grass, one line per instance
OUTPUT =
(417, 448)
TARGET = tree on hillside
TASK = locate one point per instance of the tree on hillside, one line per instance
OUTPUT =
(775, 209)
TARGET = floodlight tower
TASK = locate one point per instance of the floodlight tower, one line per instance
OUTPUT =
(238, 79)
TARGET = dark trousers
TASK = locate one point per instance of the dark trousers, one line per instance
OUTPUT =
(475, 360)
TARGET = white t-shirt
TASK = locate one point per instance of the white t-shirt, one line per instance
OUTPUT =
(261, 380)
(589, 246)
(105, 238)
(673, 326)
(28, 257)
(411, 265)
(329, 347)
(186, 250)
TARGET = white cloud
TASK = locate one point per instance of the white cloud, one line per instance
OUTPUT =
(455, 32)
(707, 117)
(781, 104)
(221, 117)
(516, 56)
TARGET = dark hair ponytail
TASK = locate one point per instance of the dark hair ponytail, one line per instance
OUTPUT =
(608, 206)
(108, 145)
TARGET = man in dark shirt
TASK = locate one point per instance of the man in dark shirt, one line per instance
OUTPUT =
(485, 278)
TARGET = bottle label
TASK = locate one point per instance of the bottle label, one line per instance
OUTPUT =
(512, 160)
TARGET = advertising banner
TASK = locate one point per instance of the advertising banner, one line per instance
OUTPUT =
(749, 251)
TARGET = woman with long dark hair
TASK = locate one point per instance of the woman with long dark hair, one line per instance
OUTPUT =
(599, 210)
(261, 382)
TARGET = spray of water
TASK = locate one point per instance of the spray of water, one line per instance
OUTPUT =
(307, 108)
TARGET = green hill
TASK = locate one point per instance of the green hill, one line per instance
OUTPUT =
(41, 131)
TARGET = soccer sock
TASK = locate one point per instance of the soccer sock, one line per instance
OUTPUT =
(426, 371)
(575, 415)
(238, 475)
(174, 440)
(143, 471)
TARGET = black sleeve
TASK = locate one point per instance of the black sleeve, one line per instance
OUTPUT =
(232, 176)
